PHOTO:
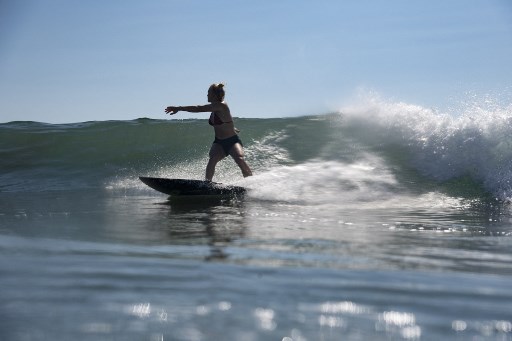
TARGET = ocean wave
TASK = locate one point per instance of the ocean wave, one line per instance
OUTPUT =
(412, 143)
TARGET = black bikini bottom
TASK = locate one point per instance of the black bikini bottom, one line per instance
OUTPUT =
(228, 143)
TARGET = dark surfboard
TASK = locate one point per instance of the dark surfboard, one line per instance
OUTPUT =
(187, 187)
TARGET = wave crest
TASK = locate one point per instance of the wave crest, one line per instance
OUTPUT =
(442, 146)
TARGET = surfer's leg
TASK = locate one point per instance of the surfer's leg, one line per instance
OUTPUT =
(216, 154)
(237, 153)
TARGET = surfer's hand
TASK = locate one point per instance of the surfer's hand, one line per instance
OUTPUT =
(171, 110)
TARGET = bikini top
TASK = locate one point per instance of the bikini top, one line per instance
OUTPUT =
(215, 120)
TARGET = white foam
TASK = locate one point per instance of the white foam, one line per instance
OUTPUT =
(320, 182)
(476, 141)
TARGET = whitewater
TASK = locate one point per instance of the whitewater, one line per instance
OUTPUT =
(383, 220)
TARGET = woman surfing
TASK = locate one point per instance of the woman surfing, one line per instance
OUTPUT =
(226, 140)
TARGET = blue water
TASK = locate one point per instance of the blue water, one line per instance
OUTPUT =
(384, 222)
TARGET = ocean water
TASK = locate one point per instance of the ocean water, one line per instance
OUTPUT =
(386, 221)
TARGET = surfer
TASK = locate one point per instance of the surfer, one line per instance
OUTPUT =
(226, 140)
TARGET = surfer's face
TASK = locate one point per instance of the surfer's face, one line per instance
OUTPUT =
(211, 95)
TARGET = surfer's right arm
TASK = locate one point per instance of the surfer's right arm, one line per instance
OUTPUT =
(197, 108)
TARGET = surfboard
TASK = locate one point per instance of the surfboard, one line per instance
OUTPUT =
(189, 187)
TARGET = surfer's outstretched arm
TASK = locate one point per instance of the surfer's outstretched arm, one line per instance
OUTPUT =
(218, 106)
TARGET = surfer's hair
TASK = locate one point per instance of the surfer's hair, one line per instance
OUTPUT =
(218, 90)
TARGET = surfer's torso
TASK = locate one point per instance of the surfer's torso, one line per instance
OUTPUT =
(222, 123)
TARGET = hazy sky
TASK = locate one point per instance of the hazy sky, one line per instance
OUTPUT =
(75, 60)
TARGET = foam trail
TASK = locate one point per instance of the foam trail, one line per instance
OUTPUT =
(320, 182)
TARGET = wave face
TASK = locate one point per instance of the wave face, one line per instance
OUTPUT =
(372, 150)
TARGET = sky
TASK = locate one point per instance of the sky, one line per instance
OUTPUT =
(67, 61)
